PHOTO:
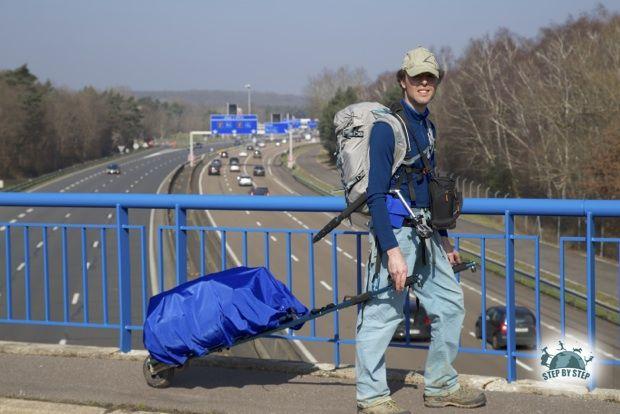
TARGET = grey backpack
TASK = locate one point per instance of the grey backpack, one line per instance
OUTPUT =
(353, 125)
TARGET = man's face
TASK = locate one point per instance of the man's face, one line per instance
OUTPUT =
(420, 89)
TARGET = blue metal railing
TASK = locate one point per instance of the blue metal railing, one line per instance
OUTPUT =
(117, 289)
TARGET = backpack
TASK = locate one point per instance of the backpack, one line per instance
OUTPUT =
(353, 125)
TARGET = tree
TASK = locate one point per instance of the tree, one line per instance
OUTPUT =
(341, 99)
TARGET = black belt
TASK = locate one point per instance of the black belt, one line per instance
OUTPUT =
(409, 222)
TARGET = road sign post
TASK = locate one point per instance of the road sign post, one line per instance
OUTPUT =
(191, 144)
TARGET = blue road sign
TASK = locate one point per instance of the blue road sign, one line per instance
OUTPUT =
(276, 127)
(234, 124)
(313, 124)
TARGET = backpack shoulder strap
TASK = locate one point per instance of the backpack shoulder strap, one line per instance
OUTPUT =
(398, 110)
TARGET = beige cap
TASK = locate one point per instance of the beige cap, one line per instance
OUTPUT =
(420, 60)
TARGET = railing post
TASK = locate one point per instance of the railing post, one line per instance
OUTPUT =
(124, 277)
(511, 361)
(591, 289)
(180, 215)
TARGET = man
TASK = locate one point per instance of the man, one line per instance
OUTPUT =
(397, 252)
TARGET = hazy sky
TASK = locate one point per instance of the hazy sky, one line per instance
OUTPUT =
(273, 45)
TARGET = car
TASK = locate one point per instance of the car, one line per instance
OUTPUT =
(258, 170)
(217, 162)
(234, 168)
(233, 160)
(284, 140)
(244, 181)
(249, 148)
(113, 169)
(419, 324)
(278, 143)
(259, 191)
(257, 154)
(496, 327)
(223, 154)
(261, 144)
(197, 144)
(243, 154)
(214, 169)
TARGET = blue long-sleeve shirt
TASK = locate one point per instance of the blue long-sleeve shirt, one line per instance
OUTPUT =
(380, 179)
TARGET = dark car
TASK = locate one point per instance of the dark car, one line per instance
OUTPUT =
(214, 169)
(113, 169)
(217, 162)
(496, 327)
(233, 160)
(223, 154)
(249, 148)
(259, 171)
(257, 154)
(259, 191)
(419, 324)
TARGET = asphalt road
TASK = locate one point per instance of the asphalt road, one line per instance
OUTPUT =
(281, 183)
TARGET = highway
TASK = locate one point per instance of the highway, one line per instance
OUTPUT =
(279, 182)
(144, 173)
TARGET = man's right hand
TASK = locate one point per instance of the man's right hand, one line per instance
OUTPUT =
(397, 268)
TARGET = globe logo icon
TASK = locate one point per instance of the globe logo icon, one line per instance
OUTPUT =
(567, 359)
(566, 363)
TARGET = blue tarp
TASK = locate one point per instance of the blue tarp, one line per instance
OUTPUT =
(215, 310)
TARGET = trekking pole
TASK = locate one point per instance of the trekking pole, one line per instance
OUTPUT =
(361, 200)
(423, 230)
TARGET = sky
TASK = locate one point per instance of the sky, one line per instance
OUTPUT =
(273, 45)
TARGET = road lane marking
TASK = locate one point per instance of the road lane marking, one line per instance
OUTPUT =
(39, 244)
(63, 341)
(3, 228)
(13, 221)
(126, 191)
(327, 241)
(30, 210)
(294, 257)
(524, 366)
(21, 215)
(258, 223)
(247, 212)
(347, 255)
(87, 265)
(67, 215)
(472, 334)
(21, 266)
(96, 190)
(109, 216)
(55, 228)
(95, 244)
(273, 238)
(76, 297)
(326, 286)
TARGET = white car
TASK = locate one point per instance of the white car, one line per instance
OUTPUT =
(278, 144)
(243, 154)
(234, 167)
(261, 144)
(244, 181)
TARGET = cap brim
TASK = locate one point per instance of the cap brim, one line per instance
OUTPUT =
(418, 69)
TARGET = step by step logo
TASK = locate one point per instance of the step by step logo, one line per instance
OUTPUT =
(565, 363)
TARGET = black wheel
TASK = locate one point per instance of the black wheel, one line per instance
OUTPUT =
(495, 342)
(161, 379)
(478, 332)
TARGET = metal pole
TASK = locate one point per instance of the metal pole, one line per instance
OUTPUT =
(191, 149)
(290, 144)
(249, 88)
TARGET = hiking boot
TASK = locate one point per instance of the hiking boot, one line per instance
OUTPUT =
(386, 407)
(463, 397)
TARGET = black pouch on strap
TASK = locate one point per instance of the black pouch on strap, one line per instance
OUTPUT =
(446, 202)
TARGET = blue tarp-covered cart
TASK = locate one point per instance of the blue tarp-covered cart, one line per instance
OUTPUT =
(221, 310)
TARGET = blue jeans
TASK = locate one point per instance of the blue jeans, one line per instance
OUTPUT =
(441, 295)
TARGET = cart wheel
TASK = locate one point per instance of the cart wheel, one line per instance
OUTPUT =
(161, 379)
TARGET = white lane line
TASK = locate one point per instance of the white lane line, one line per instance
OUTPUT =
(326, 286)
(109, 216)
(258, 223)
(87, 265)
(471, 333)
(524, 366)
(96, 190)
(130, 185)
(247, 212)
(55, 228)
(40, 244)
(103, 185)
(347, 255)
(76, 297)
(62, 191)
(63, 341)
(96, 244)
(3, 228)
(13, 221)
(21, 266)
(327, 241)
(126, 191)
(273, 238)
(30, 210)
(294, 257)
(21, 215)
(67, 215)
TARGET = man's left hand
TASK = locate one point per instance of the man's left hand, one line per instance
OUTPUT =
(453, 255)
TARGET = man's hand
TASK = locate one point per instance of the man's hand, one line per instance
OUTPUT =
(453, 255)
(397, 267)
